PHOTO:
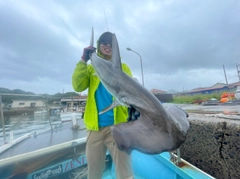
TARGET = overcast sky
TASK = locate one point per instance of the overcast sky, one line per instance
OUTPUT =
(183, 44)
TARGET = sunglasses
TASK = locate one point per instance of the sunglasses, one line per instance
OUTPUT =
(106, 43)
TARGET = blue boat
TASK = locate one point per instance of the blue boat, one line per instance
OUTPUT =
(68, 160)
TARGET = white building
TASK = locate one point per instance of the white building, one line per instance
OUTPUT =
(27, 103)
(76, 103)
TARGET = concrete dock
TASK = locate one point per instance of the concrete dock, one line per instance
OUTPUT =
(213, 141)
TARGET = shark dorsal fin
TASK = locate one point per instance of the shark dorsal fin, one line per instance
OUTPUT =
(116, 59)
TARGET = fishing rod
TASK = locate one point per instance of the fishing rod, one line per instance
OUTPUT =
(106, 18)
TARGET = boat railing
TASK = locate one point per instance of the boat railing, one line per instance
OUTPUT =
(44, 151)
(176, 156)
(13, 142)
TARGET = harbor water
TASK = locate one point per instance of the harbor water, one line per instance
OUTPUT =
(39, 122)
(20, 125)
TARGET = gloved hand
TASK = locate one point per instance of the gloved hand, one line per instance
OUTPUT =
(86, 53)
(133, 114)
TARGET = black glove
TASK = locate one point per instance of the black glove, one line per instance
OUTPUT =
(133, 114)
(87, 52)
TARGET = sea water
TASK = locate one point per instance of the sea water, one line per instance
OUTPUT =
(20, 125)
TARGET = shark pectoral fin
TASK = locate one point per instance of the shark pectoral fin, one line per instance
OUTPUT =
(113, 105)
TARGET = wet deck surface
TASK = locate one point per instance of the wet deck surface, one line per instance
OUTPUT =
(60, 134)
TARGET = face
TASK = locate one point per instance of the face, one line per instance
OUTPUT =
(106, 50)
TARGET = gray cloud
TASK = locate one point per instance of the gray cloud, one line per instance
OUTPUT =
(183, 44)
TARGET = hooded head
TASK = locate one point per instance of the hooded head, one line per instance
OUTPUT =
(105, 38)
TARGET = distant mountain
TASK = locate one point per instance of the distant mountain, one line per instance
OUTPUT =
(51, 98)
(19, 91)
(14, 91)
(5, 90)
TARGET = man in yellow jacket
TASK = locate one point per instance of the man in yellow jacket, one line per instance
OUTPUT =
(99, 137)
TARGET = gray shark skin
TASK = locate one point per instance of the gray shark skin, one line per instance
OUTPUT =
(158, 129)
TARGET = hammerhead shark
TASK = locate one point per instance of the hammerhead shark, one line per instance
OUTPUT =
(158, 129)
